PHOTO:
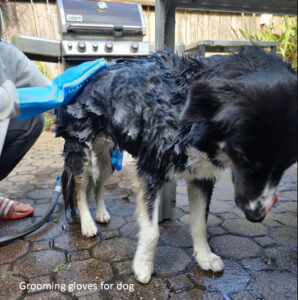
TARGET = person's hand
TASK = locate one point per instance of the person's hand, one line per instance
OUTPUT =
(9, 100)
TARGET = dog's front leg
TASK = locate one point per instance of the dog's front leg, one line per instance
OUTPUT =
(87, 224)
(199, 195)
(148, 237)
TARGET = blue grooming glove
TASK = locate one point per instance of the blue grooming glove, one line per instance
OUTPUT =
(34, 101)
(117, 159)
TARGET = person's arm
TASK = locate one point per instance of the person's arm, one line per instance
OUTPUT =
(9, 107)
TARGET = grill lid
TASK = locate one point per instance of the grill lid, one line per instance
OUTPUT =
(113, 18)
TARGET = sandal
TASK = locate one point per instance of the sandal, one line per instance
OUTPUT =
(7, 210)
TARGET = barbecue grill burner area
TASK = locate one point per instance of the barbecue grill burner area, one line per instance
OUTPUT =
(104, 48)
(98, 29)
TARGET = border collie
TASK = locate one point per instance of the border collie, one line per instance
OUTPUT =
(187, 118)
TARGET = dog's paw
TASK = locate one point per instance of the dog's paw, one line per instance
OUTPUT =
(142, 270)
(89, 229)
(210, 261)
(103, 217)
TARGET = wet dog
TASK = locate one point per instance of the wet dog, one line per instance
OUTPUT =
(188, 118)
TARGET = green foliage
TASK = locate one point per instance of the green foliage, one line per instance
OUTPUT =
(49, 120)
(60, 267)
(285, 34)
(10, 273)
(44, 70)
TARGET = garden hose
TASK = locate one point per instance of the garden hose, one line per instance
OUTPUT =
(36, 225)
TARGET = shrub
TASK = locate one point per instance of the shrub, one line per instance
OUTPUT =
(285, 34)
(49, 120)
(44, 70)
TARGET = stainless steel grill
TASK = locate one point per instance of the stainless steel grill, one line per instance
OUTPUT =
(91, 29)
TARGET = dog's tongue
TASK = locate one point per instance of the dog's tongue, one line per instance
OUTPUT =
(275, 201)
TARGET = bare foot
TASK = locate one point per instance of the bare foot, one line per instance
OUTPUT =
(10, 209)
(22, 207)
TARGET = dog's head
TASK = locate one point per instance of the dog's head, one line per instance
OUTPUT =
(248, 124)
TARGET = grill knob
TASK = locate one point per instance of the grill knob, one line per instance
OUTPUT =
(81, 46)
(134, 47)
(69, 46)
(108, 46)
(95, 46)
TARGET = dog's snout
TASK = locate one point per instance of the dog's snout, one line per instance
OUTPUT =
(255, 216)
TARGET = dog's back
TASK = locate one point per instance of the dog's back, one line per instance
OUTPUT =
(131, 99)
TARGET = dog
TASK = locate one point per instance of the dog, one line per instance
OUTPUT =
(188, 118)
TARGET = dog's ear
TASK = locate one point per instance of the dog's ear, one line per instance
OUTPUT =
(209, 101)
(203, 102)
(206, 98)
(203, 136)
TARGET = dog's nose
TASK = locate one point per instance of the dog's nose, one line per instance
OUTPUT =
(255, 216)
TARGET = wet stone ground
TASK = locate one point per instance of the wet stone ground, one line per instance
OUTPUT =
(56, 262)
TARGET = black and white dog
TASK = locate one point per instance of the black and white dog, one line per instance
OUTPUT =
(183, 117)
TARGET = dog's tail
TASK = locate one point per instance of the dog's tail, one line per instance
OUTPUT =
(69, 191)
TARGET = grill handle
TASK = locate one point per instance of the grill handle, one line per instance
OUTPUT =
(118, 30)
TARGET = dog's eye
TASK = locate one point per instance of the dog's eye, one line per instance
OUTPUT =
(245, 158)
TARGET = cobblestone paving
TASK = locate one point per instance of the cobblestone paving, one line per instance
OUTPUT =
(260, 259)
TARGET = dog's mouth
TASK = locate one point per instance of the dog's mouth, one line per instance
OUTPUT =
(275, 201)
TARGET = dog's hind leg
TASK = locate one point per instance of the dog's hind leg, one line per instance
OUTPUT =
(102, 215)
(199, 195)
(76, 182)
(81, 186)
(148, 235)
(101, 170)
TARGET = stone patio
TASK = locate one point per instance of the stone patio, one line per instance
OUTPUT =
(58, 263)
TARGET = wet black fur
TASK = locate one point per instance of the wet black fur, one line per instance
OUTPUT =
(247, 100)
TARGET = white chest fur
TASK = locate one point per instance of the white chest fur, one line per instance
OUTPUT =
(198, 166)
